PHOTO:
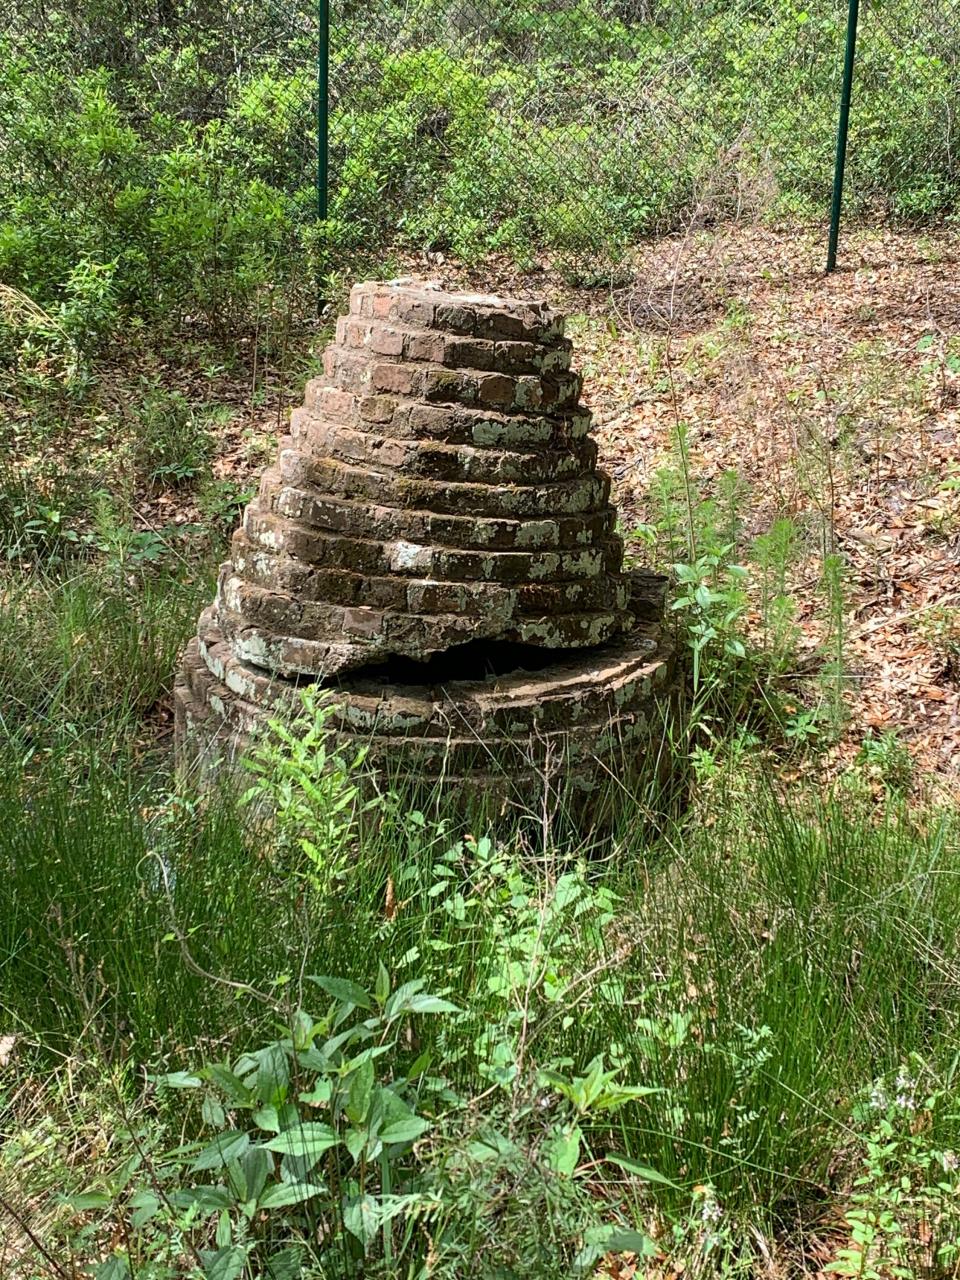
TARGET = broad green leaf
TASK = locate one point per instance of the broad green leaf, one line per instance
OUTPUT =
(257, 1166)
(397, 1002)
(562, 1150)
(353, 1064)
(604, 1240)
(234, 1089)
(304, 1029)
(430, 1004)
(205, 1197)
(421, 1066)
(224, 1264)
(226, 1146)
(223, 1236)
(115, 1268)
(267, 1119)
(308, 1139)
(407, 1130)
(212, 1112)
(344, 990)
(319, 1094)
(145, 1205)
(273, 1119)
(273, 1074)
(343, 1040)
(355, 1140)
(382, 989)
(286, 1264)
(313, 1060)
(282, 1194)
(361, 1092)
(391, 1107)
(212, 1199)
(90, 1200)
(364, 1215)
(298, 1168)
(362, 1218)
(629, 1242)
(411, 998)
(610, 1099)
(643, 1171)
(178, 1080)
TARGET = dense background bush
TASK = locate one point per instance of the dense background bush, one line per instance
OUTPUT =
(162, 162)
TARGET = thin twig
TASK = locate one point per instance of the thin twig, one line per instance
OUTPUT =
(37, 1244)
(244, 987)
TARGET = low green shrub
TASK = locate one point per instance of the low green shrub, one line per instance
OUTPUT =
(171, 443)
(904, 1210)
(666, 1040)
(112, 215)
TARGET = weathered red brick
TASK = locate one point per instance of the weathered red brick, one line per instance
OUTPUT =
(436, 486)
(424, 346)
(384, 340)
(496, 388)
(398, 379)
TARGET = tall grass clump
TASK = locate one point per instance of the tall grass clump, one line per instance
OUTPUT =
(388, 1030)
(88, 649)
(702, 1018)
(793, 950)
(99, 867)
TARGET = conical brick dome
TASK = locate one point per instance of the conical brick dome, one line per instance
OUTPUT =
(438, 486)
(436, 543)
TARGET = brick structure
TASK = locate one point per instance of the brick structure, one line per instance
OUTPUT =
(436, 543)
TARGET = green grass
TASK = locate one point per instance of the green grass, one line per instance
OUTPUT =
(88, 651)
(761, 960)
(809, 941)
(761, 970)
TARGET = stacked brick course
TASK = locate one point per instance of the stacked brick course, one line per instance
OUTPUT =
(438, 487)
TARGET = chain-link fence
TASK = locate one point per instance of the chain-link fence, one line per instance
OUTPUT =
(582, 126)
(193, 130)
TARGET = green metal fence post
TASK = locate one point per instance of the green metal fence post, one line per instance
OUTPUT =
(843, 130)
(323, 107)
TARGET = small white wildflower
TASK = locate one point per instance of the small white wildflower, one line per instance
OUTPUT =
(878, 1098)
(951, 1162)
(711, 1211)
(906, 1088)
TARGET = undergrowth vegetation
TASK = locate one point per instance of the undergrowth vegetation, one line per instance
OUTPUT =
(299, 1028)
(683, 1045)
(167, 174)
(303, 1027)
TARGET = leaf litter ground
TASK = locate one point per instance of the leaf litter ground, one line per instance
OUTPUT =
(835, 400)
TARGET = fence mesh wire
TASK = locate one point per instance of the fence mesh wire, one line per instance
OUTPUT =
(570, 126)
(583, 126)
